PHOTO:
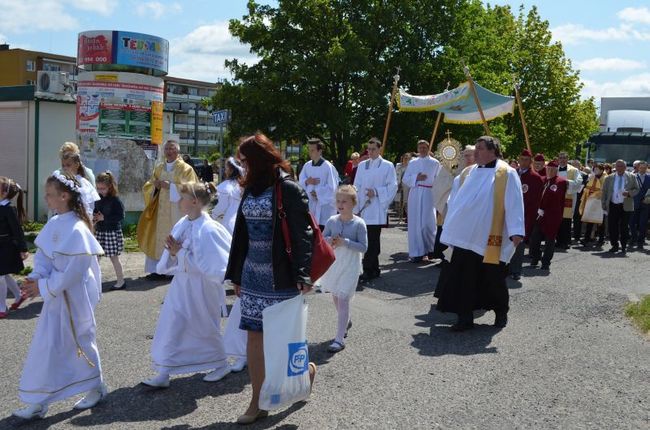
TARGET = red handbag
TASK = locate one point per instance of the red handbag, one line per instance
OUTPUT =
(322, 254)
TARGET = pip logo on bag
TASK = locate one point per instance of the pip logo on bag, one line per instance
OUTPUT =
(298, 359)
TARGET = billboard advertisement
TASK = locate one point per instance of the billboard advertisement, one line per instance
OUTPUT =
(122, 50)
(120, 105)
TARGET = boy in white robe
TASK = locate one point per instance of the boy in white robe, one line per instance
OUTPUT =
(188, 335)
(484, 225)
(376, 185)
(319, 179)
(420, 175)
(63, 359)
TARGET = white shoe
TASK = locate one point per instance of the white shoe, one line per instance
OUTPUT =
(31, 411)
(238, 365)
(159, 381)
(92, 397)
(217, 374)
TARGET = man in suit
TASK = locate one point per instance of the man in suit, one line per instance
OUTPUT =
(639, 219)
(617, 199)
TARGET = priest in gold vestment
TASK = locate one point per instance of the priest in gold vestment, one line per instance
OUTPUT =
(161, 210)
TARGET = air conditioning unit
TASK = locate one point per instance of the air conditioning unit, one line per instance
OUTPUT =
(52, 82)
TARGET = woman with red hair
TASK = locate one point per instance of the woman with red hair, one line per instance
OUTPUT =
(259, 268)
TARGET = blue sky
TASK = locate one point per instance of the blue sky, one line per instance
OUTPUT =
(609, 41)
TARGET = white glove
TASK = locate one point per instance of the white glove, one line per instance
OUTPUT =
(540, 212)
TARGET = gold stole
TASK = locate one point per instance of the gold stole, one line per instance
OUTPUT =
(495, 239)
(568, 198)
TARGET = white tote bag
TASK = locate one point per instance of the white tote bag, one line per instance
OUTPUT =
(593, 212)
(234, 338)
(286, 355)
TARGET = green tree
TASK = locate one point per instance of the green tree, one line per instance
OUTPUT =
(326, 69)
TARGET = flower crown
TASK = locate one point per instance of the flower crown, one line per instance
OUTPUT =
(65, 181)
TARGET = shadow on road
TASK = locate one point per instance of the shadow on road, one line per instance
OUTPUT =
(135, 284)
(141, 403)
(442, 341)
(402, 277)
(49, 421)
(270, 422)
(27, 312)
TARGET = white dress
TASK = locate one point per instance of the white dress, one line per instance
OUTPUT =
(188, 335)
(422, 212)
(226, 209)
(63, 359)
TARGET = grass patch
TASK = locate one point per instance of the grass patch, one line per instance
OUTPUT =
(639, 312)
(130, 241)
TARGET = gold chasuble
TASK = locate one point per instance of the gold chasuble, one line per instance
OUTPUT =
(495, 239)
(571, 175)
(160, 213)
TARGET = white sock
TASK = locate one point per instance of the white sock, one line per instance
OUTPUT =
(3, 294)
(343, 318)
(13, 287)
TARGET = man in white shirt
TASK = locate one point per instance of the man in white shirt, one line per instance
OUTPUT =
(419, 176)
(617, 201)
(484, 225)
(376, 186)
(319, 179)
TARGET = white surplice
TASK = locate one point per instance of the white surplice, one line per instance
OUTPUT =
(229, 197)
(470, 208)
(188, 335)
(69, 280)
(421, 210)
(377, 175)
(574, 184)
(322, 207)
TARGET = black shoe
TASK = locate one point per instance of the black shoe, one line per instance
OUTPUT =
(501, 320)
(416, 260)
(613, 249)
(365, 277)
(534, 263)
(515, 276)
(623, 249)
(545, 267)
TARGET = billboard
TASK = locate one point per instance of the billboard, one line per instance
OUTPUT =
(120, 105)
(122, 50)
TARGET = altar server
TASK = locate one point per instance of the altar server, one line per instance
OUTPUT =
(574, 186)
(319, 179)
(420, 175)
(376, 186)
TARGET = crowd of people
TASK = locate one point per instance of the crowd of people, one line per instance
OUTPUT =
(486, 216)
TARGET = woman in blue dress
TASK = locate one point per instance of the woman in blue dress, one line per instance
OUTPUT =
(259, 268)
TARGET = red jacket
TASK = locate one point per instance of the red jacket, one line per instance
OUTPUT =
(552, 203)
(532, 185)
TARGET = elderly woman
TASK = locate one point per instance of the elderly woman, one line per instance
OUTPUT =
(229, 195)
(259, 268)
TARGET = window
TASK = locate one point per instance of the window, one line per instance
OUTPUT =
(30, 82)
(51, 67)
(193, 91)
(31, 66)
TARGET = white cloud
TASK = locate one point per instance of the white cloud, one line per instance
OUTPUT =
(157, 10)
(574, 34)
(3, 38)
(103, 7)
(609, 64)
(635, 14)
(636, 86)
(201, 53)
(19, 16)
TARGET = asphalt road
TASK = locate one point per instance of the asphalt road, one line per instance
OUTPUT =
(568, 359)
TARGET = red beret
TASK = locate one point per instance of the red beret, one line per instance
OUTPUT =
(552, 163)
(526, 153)
(539, 157)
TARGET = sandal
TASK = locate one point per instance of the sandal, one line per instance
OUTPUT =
(336, 347)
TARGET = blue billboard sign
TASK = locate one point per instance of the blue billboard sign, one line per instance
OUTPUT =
(141, 50)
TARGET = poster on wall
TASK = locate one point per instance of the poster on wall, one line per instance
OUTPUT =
(95, 47)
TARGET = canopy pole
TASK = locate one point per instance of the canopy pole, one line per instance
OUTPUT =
(476, 100)
(435, 130)
(390, 110)
(521, 115)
